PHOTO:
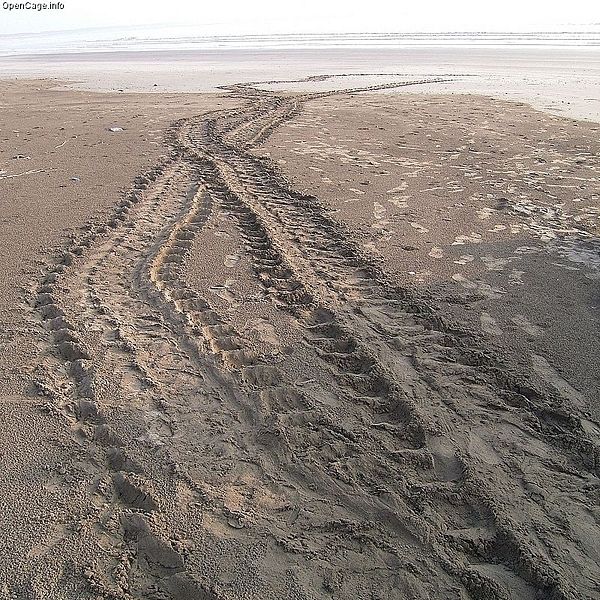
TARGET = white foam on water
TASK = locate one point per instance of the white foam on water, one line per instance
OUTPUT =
(155, 38)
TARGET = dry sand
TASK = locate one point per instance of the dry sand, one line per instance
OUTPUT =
(322, 345)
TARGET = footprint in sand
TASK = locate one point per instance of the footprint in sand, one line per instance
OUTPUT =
(529, 328)
(527, 250)
(419, 227)
(399, 201)
(436, 252)
(516, 277)
(485, 289)
(465, 259)
(489, 324)
(485, 213)
(378, 210)
(399, 188)
(460, 240)
(495, 264)
(231, 260)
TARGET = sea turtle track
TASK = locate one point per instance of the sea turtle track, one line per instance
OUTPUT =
(115, 345)
(413, 447)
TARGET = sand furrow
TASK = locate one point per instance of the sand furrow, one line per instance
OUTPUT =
(109, 341)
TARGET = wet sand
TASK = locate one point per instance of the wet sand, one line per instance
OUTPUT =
(316, 344)
(480, 203)
(560, 80)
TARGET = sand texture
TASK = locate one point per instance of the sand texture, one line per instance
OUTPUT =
(329, 344)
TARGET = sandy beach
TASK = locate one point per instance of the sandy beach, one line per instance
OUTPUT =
(559, 80)
(276, 332)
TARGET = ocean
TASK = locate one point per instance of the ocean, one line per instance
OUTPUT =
(187, 38)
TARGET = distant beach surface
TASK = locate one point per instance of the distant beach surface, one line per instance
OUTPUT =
(554, 71)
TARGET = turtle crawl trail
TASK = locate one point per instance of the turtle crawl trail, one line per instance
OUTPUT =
(383, 454)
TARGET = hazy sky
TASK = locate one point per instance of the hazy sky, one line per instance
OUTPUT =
(285, 16)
